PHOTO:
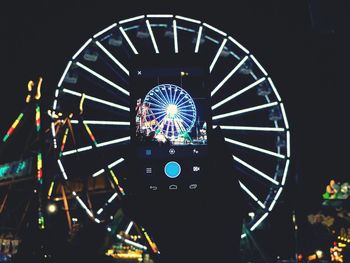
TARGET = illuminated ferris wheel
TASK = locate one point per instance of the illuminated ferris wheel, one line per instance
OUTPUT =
(171, 110)
(245, 103)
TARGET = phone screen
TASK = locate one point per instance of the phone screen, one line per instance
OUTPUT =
(170, 121)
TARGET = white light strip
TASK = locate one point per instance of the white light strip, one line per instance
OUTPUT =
(288, 144)
(120, 160)
(276, 198)
(82, 48)
(72, 92)
(188, 19)
(103, 78)
(243, 235)
(129, 227)
(83, 149)
(100, 211)
(278, 193)
(105, 30)
(54, 105)
(64, 74)
(238, 93)
(69, 152)
(238, 44)
(152, 36)
(84, 206)
(176, 45)
(259, 65)
(284, 116)
(274, 89)
(112, 198)
(98, 172)
(198, 39)
(92, 122)
(116, 61)
(248, 191)
(272, 205)
(258, 149)
(259, 107)
(261, 204)
(248, 128)
(57, 91)
(113, 141)
(284, 178)
(53, 132)
(131, 19)
(217, 55)
(255, 170)
(215, 29)
(97, 145)
(160, 16)
(229, 75)
(128, 40)
(98, 221)
(62, 169)
(259, 221)
(132, 243)
(114, 105)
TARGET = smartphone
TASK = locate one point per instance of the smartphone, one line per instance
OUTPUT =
(170, 121)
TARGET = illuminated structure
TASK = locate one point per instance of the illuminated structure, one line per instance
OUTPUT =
(245, 103)
(171, 112)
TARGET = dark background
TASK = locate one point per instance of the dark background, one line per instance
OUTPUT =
(302, 44)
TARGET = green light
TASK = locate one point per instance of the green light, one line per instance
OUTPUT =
(5, 138)
(21, 166)
(4, 169)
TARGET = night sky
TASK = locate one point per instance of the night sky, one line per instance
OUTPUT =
(300, 56)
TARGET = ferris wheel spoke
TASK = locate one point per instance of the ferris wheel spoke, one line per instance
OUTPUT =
(249, 128)
(199, 37)
(160, 100)
(167, 127)
(161, 96)
(158, 103)
(93, 122)
(91, 98)
(211, 67)
(186, 114)
(179, 99)
(255, 148)
(103, 78)
(131, 45)
(110, 166)
(250, 193)
(116, 61)
(157, 115)
(180, 105)
(257, 171)
(228, 76)
(236, 94)
(173, 128)
(98, 145)
(166, 95)
(155, 46)
(182, 116)
(255, 108)
(173, 101)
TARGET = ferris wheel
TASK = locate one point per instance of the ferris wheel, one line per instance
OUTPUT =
(172, 108)
(245, 104)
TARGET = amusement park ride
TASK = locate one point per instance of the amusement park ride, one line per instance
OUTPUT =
(149, 81)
